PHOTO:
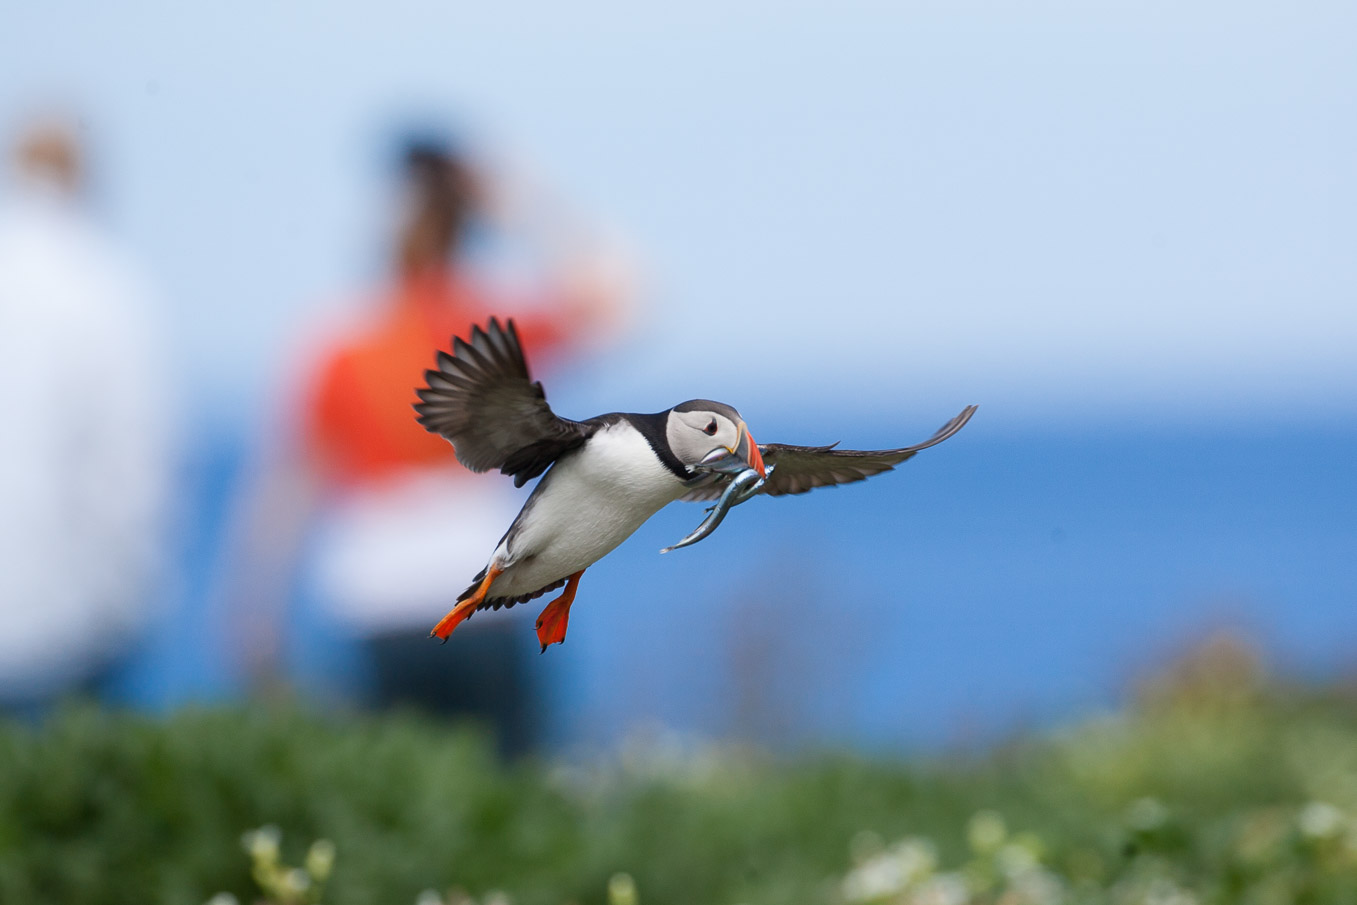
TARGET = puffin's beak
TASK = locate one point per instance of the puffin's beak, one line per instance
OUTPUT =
(748, 450)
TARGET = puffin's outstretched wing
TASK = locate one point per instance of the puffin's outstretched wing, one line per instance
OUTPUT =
(481, 399)
(802, 468)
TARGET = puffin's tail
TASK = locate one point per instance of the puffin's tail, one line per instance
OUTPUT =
(471, 588)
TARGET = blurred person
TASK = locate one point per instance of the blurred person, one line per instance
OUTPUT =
(368, 515)
(83, 467)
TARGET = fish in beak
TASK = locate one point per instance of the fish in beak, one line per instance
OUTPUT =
(745, 465)
(741, 488)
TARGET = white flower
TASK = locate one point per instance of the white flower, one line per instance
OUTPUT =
(1039, 886)
(1146, 814)
(986, 832)
(876, 879)
(320, 859)
(917, 858)
(1015, 860)
(262, 844)
(1165, 892)
(1321, 820)
(900, 867)
(621, 890)
(295, 882)
(942, 889)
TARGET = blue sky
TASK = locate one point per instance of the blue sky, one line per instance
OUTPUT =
(1127, 207)
(1099, 221)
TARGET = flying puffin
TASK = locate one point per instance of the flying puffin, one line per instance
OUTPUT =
(607, 474)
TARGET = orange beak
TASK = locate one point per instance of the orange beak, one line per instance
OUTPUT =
(748, 450)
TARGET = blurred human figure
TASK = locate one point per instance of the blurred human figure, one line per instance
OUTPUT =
(83, 465)
(395, 521)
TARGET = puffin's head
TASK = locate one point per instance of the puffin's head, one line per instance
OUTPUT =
(699, 430)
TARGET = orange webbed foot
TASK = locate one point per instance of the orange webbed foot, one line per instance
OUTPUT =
(551, 624)
(464, 608)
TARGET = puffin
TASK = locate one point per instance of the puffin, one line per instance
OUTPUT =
(604, 476)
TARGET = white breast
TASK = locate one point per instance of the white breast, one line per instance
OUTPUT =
(590, 501)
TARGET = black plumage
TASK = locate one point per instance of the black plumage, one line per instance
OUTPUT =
(495, 415)
(797, 469)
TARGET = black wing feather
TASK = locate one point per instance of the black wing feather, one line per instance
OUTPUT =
(803, 468)
(482, 400)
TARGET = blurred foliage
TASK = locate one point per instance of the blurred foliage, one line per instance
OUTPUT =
(283, 885)
(1213, 786)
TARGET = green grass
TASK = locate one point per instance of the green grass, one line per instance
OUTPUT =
(1211, 788)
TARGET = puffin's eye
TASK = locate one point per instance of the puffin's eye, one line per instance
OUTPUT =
(710, 429)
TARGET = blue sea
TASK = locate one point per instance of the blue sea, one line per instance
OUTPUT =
(1010, 578)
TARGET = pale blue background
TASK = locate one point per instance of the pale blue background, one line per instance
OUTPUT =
(1126, 229)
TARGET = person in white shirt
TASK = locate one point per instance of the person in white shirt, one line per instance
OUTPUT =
(83, 434)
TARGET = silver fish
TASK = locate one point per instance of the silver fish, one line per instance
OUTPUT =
(743, 486)
(721, 461)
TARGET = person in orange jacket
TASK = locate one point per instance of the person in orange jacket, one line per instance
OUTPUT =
(359, 426)
(392, 514)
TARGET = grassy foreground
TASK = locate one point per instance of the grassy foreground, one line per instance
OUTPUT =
(1213, 787)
